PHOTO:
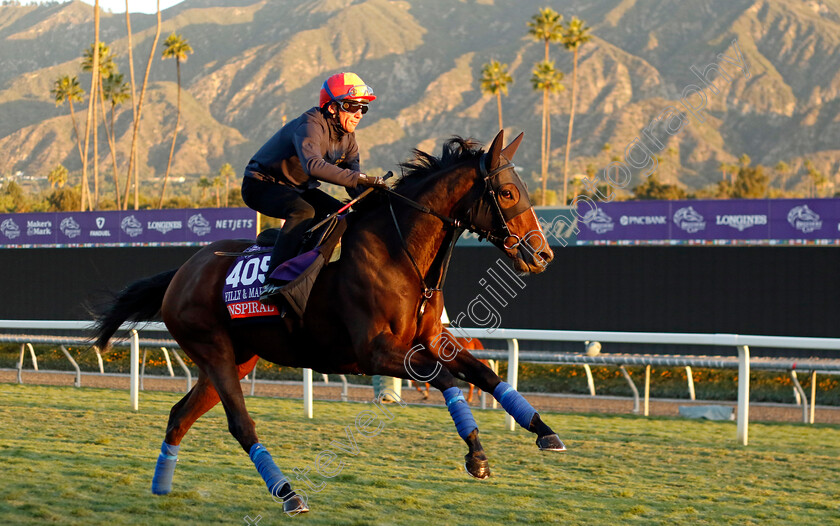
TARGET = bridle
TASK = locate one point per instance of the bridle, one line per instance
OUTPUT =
(485, 218)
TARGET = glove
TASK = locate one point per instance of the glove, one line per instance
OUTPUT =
(374, 182)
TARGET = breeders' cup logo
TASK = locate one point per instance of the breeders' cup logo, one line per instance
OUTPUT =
(804, 219)
(131, 226)
(10, 228)
(198, 225)
(70, 227)
(689, 220)
(598, 221)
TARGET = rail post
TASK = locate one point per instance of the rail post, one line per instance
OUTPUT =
(513, 375)
(307, 393)
(590, 382)
(632, 388)
(186, 369)
(690, 377)
(134, 369)
(78, 381)
(743, 394)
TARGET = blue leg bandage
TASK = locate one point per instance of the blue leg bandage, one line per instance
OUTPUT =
(460, 411)
(271, 474)
(164, 469)
(515, 404)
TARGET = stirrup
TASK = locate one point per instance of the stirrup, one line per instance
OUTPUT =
(269, 293)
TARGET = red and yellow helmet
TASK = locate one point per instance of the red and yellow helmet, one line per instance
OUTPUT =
(345, 86)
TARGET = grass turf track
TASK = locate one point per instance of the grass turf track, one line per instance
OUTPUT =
(80, 456)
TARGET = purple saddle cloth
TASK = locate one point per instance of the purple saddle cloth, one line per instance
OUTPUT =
(294, 267)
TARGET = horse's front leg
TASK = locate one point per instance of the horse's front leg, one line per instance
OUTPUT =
(389, 360)
(465, 366)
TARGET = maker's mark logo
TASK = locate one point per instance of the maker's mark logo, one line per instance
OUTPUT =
(9, 228)
(198, 225)
(70, 227)
(598, 221)
(689, 219)
(804, 219)
(131, 226)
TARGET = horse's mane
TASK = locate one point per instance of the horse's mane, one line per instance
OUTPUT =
(455, 151)
(416, 172)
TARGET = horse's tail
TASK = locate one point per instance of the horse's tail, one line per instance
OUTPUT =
(140, 301)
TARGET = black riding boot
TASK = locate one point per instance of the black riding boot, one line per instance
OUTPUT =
(286, 247)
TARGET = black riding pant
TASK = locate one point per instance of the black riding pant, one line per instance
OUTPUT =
(299, 209)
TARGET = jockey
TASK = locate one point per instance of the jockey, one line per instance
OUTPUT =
(282, 178)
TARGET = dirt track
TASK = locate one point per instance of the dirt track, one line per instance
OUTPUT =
(759, 412)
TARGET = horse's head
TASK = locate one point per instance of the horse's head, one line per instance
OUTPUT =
(505, 213)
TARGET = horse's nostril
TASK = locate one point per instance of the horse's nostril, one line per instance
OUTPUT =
(547, 256)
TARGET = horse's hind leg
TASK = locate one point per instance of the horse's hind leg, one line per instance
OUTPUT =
(200, 399)
(222, 372)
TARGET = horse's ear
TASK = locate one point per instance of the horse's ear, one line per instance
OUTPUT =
(495, 150)
(510, 149)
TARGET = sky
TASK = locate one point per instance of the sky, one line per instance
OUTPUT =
(136, 6)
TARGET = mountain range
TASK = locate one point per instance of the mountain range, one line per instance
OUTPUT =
(257, 63)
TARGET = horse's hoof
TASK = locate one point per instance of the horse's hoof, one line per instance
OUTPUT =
(550, 443)
(294, 505)
(478, 468)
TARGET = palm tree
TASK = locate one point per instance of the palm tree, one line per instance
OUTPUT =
(67, 89)
(816, 179)
(548, 80)
(545, 26)
(175, 47)
(723, 167)
(495, 80)
(132, 158)
(58, 176)
(226, 172)
(218, 184)
(107, 67)
(91, 115)
(115, 90)
(203, 184)
(575, 36)
(783, 169)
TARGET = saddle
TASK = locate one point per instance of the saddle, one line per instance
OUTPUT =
(299, 273)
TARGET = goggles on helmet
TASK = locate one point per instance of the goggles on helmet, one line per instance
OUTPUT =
(353, 93)
(352, 106)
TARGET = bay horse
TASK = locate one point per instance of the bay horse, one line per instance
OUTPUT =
(374, 311)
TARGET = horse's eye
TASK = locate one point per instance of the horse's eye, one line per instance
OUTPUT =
(507, 194)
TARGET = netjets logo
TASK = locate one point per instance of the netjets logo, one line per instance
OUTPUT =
(70, 227)
(198, 225)
(131, 226)
(9, 228)
(689, 220)
(804, 219)
(598, 221)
